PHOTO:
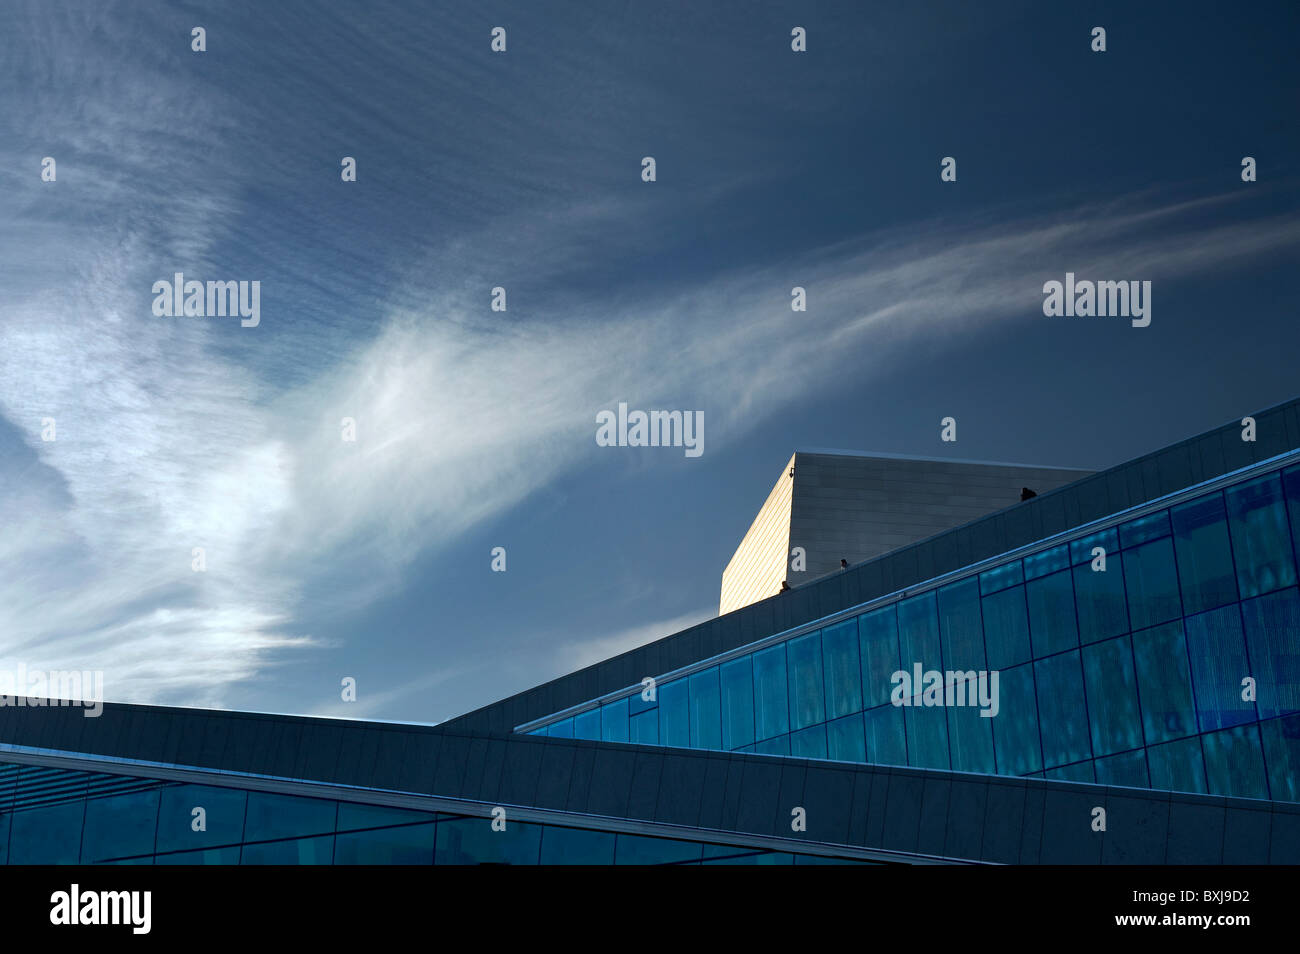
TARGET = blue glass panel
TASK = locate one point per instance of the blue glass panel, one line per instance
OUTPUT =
(738, 703)
(404, 845)
(46, 836)
(1112, 696)
(999, 578)
(918, 633)
(1081, 549)
(1272, 625)
(354, 816)
(287, 816)
(119, 826)
(960, 627)
(1099, 596)
(1261, 540)
(1152, 582)
(1060, 704)
(845, 741)
(1291, 486)
(886, 739)
(1234, 762)
(706, 711)
(970, 736)
(927, 735)
(674, 714)
(1053, 626)
(1204, 558)
(1164, 683)
(1048, 561)
(1218, 652)
(771, 712)
(878, 637)
(1078, 772)
(779, 745)
(809, 743)
(1006, 628)
(562, 729)
(1177, 766)
(1282, 755)
(210, 856)
(806, 687)
(637, 702)
(471, 841)
(223, 816)
(1127, 768)
(1151, 527)
(586, 725)
(293, 851)
(577, 846)
(643, 727)
(842, 669)
(1015, 727)
(613, 721)
(641, 850)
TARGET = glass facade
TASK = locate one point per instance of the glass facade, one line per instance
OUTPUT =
(189, 824)
(1172, 665)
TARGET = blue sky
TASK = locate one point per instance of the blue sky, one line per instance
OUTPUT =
(476, 428)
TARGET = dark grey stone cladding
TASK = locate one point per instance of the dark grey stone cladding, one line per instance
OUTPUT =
(1163, 472)
(947, 814)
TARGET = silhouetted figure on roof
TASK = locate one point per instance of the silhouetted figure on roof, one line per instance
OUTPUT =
(785, 585)
(844, 564)
(1026, 493)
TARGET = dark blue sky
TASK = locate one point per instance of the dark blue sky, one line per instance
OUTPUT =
(328, 559)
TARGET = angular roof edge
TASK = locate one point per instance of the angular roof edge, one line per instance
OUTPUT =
(880, 455)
